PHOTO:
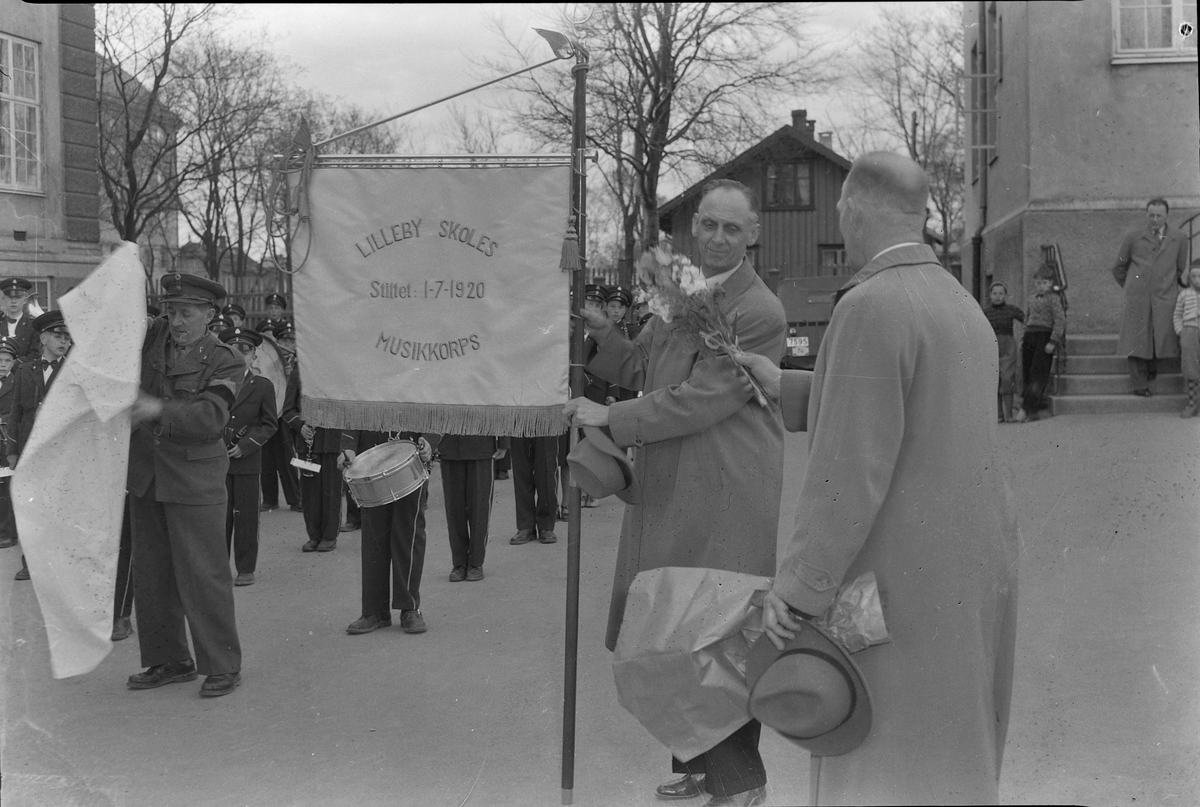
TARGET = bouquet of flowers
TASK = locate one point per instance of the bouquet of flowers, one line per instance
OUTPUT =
(674, 289)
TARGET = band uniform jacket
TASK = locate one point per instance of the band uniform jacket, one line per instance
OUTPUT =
(252, 421)
(325, 441)
(29, 389)
(182, 451)
(29, 347)
(1151, 274)
(7, 385)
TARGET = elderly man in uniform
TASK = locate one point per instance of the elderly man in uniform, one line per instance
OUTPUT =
(710, 458)
(904, 481)
(177, 467)
(1151, 266)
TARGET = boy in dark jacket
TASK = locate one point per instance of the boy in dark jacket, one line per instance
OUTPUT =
(252, 421)
(1045, 324)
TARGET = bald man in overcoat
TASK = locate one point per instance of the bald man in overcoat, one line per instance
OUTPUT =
(904, 480)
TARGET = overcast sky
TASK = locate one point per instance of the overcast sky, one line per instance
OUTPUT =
(391, 57)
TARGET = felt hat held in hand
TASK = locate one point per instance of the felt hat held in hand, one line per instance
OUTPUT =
(811, 692)
(602, 469)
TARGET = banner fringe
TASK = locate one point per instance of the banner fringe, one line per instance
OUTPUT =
(498, 421)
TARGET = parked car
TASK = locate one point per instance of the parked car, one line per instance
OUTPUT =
(808, 303)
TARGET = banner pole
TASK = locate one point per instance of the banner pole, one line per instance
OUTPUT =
(579, 208)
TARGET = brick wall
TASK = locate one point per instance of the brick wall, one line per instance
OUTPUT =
(80, 126)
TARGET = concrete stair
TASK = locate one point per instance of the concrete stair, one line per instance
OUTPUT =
(1095, 380)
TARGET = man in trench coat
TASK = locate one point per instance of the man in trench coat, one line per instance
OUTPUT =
(1150, 268)
(710, 459)
(903, 480)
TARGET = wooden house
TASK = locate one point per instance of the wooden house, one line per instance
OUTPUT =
(798, 178)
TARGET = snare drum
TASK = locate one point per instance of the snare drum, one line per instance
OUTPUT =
(385, 473)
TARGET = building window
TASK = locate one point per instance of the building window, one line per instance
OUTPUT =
(831, 260)
(20, 115)
(1149, 31)
(788, 185)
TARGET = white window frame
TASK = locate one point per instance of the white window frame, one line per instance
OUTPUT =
(1177, 52)
(10, 99)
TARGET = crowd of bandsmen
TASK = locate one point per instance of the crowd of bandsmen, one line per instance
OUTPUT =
(209, 383)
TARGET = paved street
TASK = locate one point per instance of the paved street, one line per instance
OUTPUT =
(1105, 708)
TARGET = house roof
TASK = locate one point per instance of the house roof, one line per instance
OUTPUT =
(781, 134)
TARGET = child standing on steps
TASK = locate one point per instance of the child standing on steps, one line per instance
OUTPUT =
(1187, 327)
(1001, 314)
(1045, 324)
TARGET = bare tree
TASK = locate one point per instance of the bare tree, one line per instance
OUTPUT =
(673, 87)
(239, 92)
(907, 77)
(480, 133)
(141, 123)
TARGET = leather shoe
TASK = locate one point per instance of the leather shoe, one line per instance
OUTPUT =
(327, 546)
(547, 537)
(474, 573)
(501, 475)
(295, 508)
(309, 546)
(215, 686)
(163, 674)
(458, 574)
(121, 628)
(7, 542)
(686, 787)
(412, 622)
(366, 624)
(748, 798)
(266, 508)
(349, 526)
(22, 573)
(244, 579)
(521, 537)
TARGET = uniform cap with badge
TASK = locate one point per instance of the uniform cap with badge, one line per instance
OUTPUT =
(15, 286)
(275, 299)
(621, 295)
(179, 287)
(9, 345)
(594, 292)
(51, 322)
(238, 335)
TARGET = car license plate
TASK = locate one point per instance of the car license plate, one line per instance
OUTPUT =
(797, 345)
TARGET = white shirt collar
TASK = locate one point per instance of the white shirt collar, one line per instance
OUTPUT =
(896, 246)
(717, 280)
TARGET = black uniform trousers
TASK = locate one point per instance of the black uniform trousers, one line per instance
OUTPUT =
(731, 766)
(277, 468)
(123, 596)
(534, 471)
(241, 521)
(1036, 364)
(321, 498)
(8, 521)
(393, 545)
(467, 490)
(182, 576)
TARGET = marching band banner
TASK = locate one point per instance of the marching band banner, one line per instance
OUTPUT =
(431, 299)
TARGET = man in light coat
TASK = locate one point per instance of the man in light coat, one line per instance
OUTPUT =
(903, 480)
(1150, 268)
(710, 458)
